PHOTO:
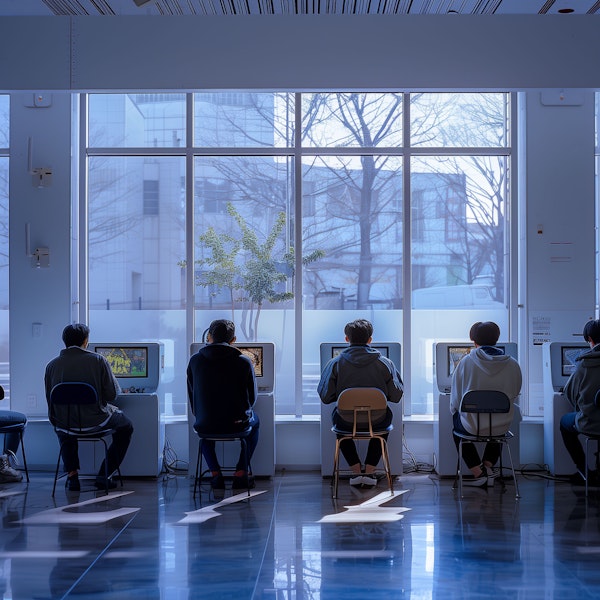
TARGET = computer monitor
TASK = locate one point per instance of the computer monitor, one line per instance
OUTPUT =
(262, 355)
(560, 360)
(391, 350)
(446, 355)
(137, 366)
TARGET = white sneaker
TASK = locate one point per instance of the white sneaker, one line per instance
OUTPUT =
(492, 474)
(476, 481)
(356, 481)
(7, 473)
(369, 480)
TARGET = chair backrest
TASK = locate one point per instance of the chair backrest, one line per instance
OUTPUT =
(68, 402)
(362, 405)
(485, 402)
(1, 393)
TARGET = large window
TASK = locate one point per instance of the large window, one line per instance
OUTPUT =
(295, 233)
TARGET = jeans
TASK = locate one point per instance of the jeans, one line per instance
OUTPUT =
(470, 455)
(210, 455)
(11, 440)
(348, 447)
(570, 437)
(116, 451)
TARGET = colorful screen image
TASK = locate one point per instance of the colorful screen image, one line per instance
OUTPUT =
(126, 361)
(255, 354)
(569, 355)
(384, 350)
(455, 355)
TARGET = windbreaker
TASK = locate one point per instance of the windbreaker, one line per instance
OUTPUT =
(580, 390)
(486, 368)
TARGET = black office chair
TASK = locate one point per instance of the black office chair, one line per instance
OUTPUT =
(588, 437)
(240, 436)
(16, 428)
(76, 396)
(361, 402)
(485, 403)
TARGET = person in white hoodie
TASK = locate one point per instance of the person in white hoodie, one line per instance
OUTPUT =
(484, 368)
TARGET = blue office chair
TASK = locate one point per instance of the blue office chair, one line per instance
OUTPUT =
(16, 428)
(239, 436)
(74, 398)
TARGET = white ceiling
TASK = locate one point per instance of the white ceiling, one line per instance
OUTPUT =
(269, 7)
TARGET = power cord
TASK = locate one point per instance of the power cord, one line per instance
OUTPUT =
(171, 464)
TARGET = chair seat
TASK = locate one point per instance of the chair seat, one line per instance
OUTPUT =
(365, 434)
(483, 438)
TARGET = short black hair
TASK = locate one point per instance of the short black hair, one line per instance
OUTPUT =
(485, 333)
(222, 331)
(358, 331)
(75, 334)
(591, 331)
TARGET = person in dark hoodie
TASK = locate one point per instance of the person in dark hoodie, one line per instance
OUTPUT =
(222, 391)
(359, 365)
(580, 390)
(484, 368)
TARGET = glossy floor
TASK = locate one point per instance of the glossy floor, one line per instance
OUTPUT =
(151, 539)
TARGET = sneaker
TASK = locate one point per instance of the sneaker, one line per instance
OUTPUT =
(102, 483)
(481, 481)
(72, 483)
(356, 481)
(492, 474)
(369, 480)
(7, 473)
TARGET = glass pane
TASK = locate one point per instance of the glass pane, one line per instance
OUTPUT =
(243, 258)
(136, 245)
(352, 120)
(137, 120)
(459, 207)
(352, 225)
(4, 313)
(243, 120)
(4, 121)
(455, 120)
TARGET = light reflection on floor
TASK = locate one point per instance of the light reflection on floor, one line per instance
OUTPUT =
(292, 541)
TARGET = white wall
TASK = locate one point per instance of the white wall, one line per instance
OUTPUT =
(187, 53)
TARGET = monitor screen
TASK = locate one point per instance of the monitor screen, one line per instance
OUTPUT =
(455, 355)
(568, 357)
(126, 361)
(384, 350)
(255, 354)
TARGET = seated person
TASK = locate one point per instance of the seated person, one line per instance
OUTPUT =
(77, 364)
(580, 390)
(484, 368)
(11, 444)
(222, 391)
(359, 365)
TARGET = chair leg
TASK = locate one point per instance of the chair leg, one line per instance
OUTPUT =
(57, 467)
(198, 464)
(386, 464)
(512, 466)
(587, 439)
(459, 471)
(336, 468)
(244, 444)
(24, 459)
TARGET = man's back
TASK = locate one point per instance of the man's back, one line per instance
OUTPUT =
(221, 388)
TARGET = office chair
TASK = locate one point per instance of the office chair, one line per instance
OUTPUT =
(16, 428)
(361, 402)
(589, 437)
(76, 396)
(239, 436)
(484, 403)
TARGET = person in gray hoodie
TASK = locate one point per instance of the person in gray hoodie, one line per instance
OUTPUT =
(580, 390)
(359, 365)
(484, 368)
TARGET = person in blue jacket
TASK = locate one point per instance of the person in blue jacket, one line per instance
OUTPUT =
(222, 391)
(359, 365)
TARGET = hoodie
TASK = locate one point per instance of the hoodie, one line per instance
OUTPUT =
(360, 366)
(580, 391)
(486, 368)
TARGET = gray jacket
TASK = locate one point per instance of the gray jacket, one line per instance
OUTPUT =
(581, 388)
(77, 364)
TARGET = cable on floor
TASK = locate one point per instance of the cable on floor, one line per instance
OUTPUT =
(413, 465)
(171, 464)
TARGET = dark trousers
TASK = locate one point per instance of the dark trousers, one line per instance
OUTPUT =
(116, 450)
(570, 437)
(348, 447)
(11, 440)
(470, 455)
(210, 455)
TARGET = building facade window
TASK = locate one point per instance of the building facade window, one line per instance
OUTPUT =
(292, 240)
